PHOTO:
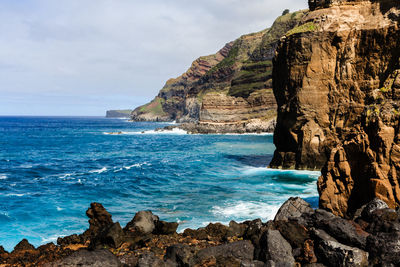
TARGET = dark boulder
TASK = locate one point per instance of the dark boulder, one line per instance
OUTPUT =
(150, 260)
(112, 236)
(213, 231)
(384, 249)
(293, 232)
(384, 220)
(332, 253)
(143, 222)
(165, 228)
(236, 229)
(254, 231)
(368, 209)
(346, 232)
(276, 249)
(294, 207)
(179, 253)
(226, 255)
(96, 258)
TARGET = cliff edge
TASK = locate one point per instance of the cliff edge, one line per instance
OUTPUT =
(230, 91)
(337, 85)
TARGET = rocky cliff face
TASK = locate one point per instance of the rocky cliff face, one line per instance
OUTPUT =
(118, 113)
(337, 85)
(236, 80)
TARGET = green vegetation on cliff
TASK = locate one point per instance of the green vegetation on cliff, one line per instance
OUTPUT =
(239, 69)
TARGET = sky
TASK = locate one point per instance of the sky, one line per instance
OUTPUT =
(83, 57)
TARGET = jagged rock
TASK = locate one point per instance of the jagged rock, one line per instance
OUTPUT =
(276, 249)
(232, 252)
(179, 253)
(254, 232)
(143, 222)
(165, 228)
(293, 208)
(99, 220)
(2, 250)
(345, 231)
(332, 253)
(68, 240)
(214, 231)
(113, 237)
(236, 229)
(23, 245)
(293, 232)
(97, 258)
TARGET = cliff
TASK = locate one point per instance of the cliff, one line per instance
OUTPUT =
(337, 85)
(216, 88)
(118, 113)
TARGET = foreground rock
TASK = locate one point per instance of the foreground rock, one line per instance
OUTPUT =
(298, 236)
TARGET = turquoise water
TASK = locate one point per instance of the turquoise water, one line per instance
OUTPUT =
(51, 169)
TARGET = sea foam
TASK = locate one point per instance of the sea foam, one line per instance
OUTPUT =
(242, 209)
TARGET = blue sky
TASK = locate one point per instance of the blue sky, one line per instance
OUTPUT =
(82, 57)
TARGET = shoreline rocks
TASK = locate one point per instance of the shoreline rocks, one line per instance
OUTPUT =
(297, 236)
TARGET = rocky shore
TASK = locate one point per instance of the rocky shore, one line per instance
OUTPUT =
(298, 236)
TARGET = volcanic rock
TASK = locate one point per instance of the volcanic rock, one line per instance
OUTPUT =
(97, 258)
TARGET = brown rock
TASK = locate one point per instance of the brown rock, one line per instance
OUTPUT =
(337, 107)
(24, 245)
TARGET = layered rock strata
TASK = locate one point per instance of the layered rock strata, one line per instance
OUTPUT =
(298, 236)
(336, 82)
(216, 88)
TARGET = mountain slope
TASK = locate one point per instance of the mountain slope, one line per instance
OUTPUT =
(216, 88)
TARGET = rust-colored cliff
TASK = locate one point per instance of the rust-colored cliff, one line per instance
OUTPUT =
(337, 85)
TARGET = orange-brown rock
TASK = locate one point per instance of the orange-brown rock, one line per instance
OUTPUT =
(336, 81)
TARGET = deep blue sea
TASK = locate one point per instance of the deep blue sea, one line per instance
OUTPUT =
(52, 168)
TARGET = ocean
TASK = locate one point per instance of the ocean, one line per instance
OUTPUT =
(52, 168)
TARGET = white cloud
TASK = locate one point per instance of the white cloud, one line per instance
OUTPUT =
(61, 53)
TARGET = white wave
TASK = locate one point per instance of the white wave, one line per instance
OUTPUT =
(3, 176)
(260, 170)
(250, 210)
(63, 176)
(50, 239)
(104, 169)
(137, 165)
(15, 195)
(59, 209)
(173, 131)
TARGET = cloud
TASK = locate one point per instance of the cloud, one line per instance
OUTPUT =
(63, 53)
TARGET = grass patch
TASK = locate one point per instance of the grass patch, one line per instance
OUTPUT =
(154, 107)
(228, 61)
(307, 27)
